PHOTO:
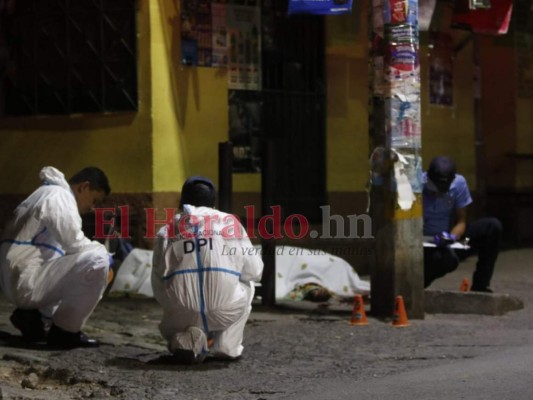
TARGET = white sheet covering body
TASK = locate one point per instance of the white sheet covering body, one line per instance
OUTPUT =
(294, 266)
(297, 266)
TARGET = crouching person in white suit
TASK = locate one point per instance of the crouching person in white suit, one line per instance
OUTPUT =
(48, 268)
(203, 272)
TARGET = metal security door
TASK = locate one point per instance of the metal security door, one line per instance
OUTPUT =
(293, 98)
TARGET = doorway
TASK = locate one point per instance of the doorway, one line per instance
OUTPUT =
(294, 107)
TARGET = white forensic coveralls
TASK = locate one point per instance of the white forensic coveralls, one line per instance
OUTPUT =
(203, 274)
(46, 262)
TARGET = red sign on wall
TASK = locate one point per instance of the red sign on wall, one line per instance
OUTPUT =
(492, 21)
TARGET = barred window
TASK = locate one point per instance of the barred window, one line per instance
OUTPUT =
(71, 56)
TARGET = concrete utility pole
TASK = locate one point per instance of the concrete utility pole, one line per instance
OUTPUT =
(395, 145)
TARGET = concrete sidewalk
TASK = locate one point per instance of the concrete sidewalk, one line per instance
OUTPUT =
(445, 295)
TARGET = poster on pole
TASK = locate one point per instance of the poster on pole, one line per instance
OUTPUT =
(397, 69)
(320, 7)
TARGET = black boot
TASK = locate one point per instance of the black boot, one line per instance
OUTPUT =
(477, 288)
(30, 323)
(59, 338)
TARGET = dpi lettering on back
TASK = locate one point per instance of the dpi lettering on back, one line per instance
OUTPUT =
(190, 245)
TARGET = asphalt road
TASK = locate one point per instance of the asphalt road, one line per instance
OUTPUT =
(293, 355)
(505, 374)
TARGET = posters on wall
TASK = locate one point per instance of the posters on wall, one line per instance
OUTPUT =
(320, 7)
(224, 34)
(481, 16)
(220, 36)
(244, 82)
(227, 34)
(244, 47)
(441, 70)
(196, 36)
(245, 129)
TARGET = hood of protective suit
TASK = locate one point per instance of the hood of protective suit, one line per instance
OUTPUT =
(52, 176)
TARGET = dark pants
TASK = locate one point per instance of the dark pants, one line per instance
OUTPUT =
(485, 235)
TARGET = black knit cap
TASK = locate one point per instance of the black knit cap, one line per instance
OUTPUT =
(442, 172)
(198, 191)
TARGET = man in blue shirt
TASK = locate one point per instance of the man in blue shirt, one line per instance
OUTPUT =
(445, 198)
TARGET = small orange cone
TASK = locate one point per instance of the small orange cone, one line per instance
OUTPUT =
(358, 313)
(465, 285)
(400, 316)
(110, 276)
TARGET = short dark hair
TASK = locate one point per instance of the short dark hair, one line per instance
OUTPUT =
(96, 178)
(198, 191)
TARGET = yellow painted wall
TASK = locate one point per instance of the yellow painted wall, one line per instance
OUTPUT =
(347, 123)
(190, 110)
(119, 143)
(450, 130)
(445, 131)
(168, 160)
(187, 109)
(347, 101)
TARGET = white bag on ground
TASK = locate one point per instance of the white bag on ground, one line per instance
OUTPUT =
(134, 274)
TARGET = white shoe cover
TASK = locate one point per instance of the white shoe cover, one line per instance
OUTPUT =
(189, 346)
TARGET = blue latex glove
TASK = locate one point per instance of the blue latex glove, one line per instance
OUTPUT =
(111, 260)
(444, 239)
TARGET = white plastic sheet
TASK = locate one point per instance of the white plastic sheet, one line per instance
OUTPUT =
(134, 274)
(294, 266)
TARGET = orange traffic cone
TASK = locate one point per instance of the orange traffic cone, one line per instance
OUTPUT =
(358, 313)
(465, 285)
(400, 316)
(110, 275)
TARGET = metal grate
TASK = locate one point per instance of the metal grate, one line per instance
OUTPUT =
(294, 106)
(72, 56)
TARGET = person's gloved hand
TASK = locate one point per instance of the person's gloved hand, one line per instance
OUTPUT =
(444, 239)
(111, 260)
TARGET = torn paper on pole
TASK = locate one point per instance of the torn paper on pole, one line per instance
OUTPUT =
(406, 197)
